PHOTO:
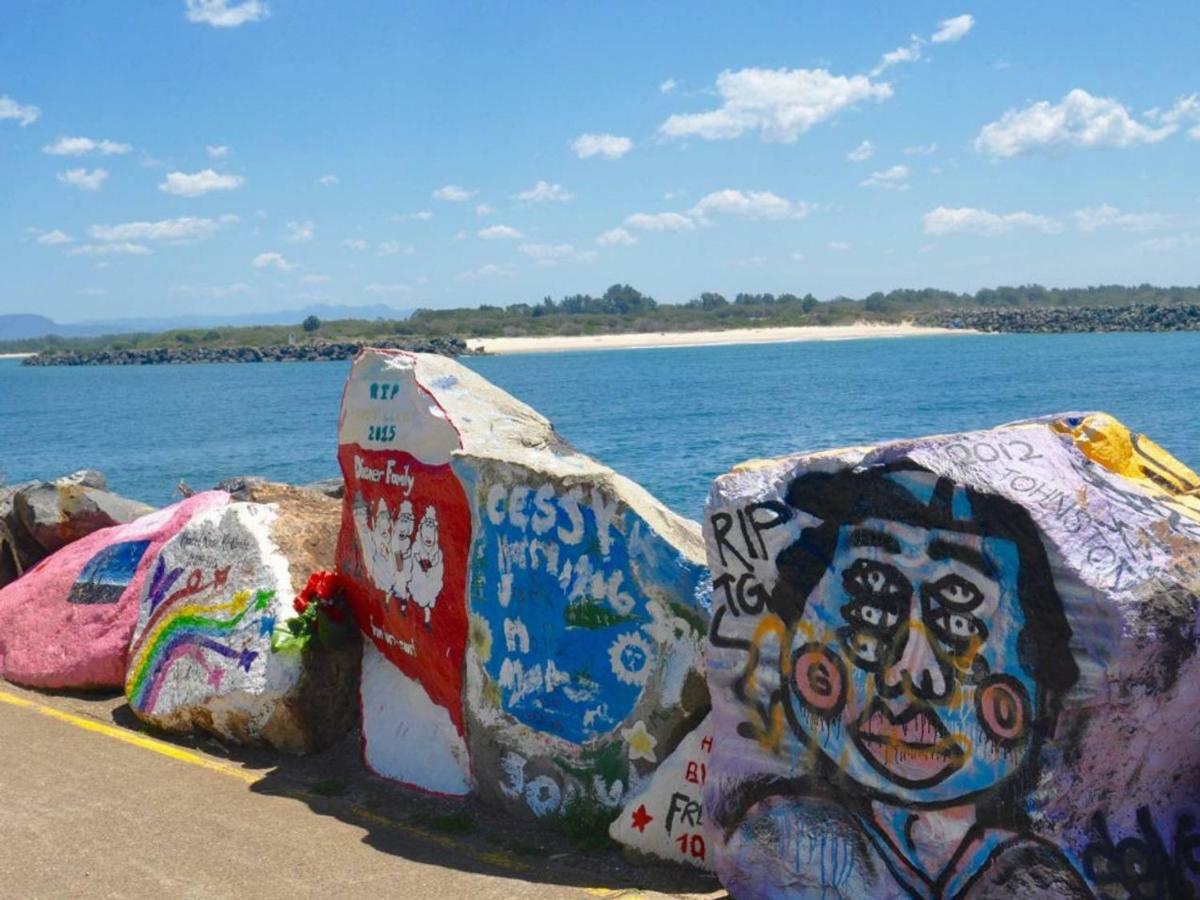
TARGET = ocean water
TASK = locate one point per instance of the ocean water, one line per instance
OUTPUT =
(670, 418)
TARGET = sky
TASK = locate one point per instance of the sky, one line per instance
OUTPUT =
(212, 156)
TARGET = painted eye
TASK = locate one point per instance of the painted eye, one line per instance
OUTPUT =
(958, 626)
(872, 615)
(956, 592)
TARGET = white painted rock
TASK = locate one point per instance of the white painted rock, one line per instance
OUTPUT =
(962, 666)
(550, 611)
(211, 649)
(665, 817)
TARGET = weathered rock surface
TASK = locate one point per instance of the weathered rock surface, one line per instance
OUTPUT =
(67, 622)
(962, 666)
(543, 614)
(211, 649)
(1060, 320)
(40, 517)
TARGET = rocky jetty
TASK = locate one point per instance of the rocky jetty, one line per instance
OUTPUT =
(321, 351)
(1065, 320)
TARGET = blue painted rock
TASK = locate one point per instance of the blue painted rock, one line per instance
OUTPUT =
(961, 666)
(537, 617)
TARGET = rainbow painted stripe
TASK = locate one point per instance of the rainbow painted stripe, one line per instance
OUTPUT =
(185, 633)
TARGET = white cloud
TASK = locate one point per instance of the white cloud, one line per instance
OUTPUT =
(1078, 120)
(83, 179)
(482, 209)
(780, 104)
(499, 233)
(862, 152)
(753, 204)
(838, 246)
(1175, 242)
(377, 288)
(955, 29)
(272, 261)
(910, 53)
(452, 193)
(187, 228)
(328, 180)
(616, 237)
(183, 184)
(1186, 109)
(552, 254)
(921, 150)
(667, 221)
(51, 238)
(356, 244)
(668, 85)
(226, 14)
(796, 256)
(315, 279)
(544, 192)
(92, 292)
(751, 261)
(392, 248)
(423, 215)
(217, 292)
(23, 114)
(123, 248)
(610, 146)
(1105, 216)
(82, 146)
(891, 179)
(300, 232)
(491, 270)
(969, 220)
(216, 151)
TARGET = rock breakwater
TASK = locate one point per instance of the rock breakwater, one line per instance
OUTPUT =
(1063, 320)
(325, 351)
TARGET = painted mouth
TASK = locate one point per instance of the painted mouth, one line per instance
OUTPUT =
(914, 749)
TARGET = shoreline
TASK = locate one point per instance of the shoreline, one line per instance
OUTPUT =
(665, 339)
(16, 355)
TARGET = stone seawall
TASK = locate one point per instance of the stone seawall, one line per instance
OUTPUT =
(1061, 320)
(318, 352)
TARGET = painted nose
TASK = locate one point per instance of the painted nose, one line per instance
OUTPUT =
(917, 670)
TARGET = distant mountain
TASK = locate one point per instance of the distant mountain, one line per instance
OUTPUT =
(22, 325)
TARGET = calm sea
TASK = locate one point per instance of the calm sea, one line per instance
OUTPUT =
(670, 419)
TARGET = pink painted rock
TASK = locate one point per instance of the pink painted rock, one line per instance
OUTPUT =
(68, 621)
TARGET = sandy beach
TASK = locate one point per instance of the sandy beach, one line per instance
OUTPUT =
(555, 344)
(14, 355)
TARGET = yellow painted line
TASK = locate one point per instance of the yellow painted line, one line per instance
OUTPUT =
(154, 745)
(132, 737)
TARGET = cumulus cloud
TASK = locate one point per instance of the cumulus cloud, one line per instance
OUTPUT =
(184, 184)
(22, 113)
(216, 151)
(779, 104)
(890, 179)
(392, 248)
(668, 85)
(328, 180)
(226, 14)
(921, 150)
(862, 152)
(499, 233)
(1079, 120)
(482, 209)
(616, 237)
(52, 238)
(315, 279)
(452, 193)
(1105, 216)
(356, 244)
(553, 254)
(83, 179)
(969, 220)
(950, 30)
(666, 221)
(1185, 109)
(82, 146)
(544, 192)
(186, 228)
(752, 204)
(272, 261)
(491, 270)
(300, 232)
(124, 248)
(906, 54)
(609, 146)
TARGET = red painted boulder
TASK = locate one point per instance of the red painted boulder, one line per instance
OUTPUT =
(66, 624)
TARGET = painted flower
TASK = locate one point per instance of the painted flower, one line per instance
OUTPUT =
(630, 656)
(641, 742)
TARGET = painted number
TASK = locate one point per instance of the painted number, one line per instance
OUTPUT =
(691, 845)
(381, 432)
(985, 452)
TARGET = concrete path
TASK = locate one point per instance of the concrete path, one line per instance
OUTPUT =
(90, 807)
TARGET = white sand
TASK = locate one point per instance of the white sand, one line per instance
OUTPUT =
(14, 355)
(554, 344)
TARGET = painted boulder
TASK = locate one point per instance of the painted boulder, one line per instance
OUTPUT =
(535, 620)
(213, 650)
(66, 623)
(962, 666)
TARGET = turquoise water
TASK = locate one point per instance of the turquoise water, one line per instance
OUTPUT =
(670, 419)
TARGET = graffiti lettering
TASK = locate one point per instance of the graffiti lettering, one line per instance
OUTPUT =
(1142, 864)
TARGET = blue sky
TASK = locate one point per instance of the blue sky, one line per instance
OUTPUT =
(163, 156)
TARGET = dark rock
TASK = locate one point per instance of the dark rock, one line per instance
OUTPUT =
(55, 514)
(1062, 320)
